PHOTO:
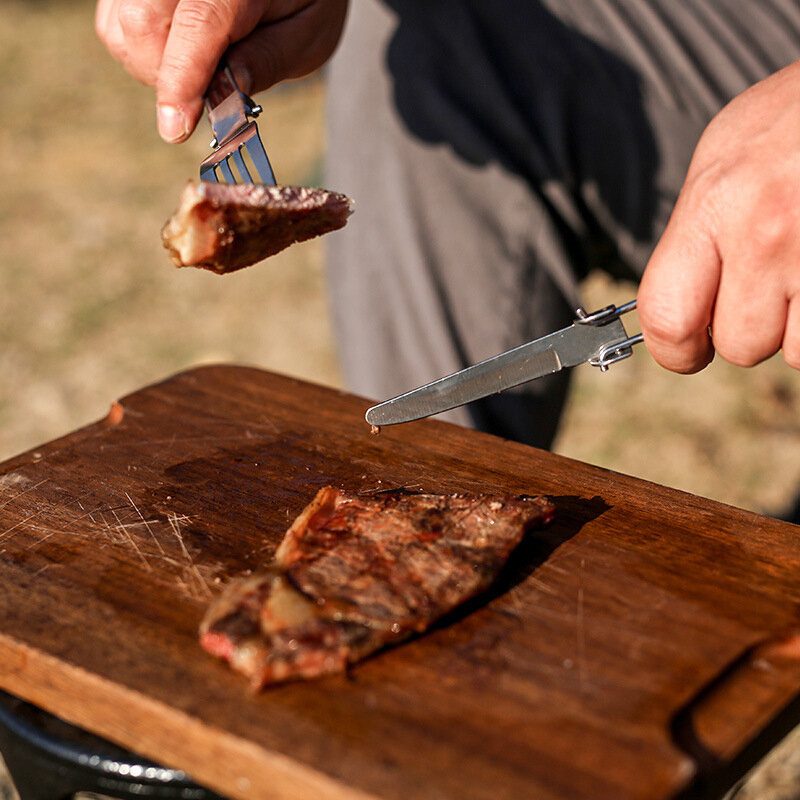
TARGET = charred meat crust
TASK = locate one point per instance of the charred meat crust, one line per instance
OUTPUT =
(224, 228)
(355, 573)
(396, 560)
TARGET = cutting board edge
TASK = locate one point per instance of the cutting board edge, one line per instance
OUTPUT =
(518, 447)
(119, 407)
(236, 766)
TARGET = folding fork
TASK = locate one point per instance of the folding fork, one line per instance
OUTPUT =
(231, 113)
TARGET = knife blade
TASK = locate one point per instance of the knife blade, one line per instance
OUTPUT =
(599, 339)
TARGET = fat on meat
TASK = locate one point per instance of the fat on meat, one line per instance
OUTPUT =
(225, 227)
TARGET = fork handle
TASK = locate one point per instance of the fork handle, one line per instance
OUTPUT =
(222, 85)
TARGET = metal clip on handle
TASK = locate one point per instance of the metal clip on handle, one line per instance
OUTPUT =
(616, 351)
(223, 86)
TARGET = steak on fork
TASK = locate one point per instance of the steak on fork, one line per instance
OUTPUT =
(225, 227)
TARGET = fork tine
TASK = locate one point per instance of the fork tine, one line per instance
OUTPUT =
(208, 173)
(227, 173)
(258, 154)
(232, 116)
(219, 166)
(236, 155)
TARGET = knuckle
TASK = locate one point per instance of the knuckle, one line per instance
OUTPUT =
(738, 352)
(703, 194)
(706, 172)
(116, 46)
(171, 76)
(791, 355)
(138, 18)
(773, 226)
(669, 327)
(738, 357)
(744, 194)
(676, 343)
(203, 15)
(684, 360)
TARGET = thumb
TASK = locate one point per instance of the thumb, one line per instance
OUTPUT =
(677, 293)
(200, 33)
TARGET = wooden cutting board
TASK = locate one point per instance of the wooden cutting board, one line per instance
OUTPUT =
(644, 645)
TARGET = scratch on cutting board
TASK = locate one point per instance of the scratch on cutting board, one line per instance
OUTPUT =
(200, 583)
(122, 529)
(157, 541)
(376, 490)
(4, 534)
(13, 479)
(44, 529)
(88, 513)
(43, 539)
(24, 491)
(519, 606)
(202, 439)
(542, 586)
(552, 566)
(149, 529)
(580, 631)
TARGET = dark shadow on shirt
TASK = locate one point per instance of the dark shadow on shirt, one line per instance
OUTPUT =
(511, 83)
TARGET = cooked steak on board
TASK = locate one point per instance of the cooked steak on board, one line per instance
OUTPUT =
(355, 573)
(224, 227)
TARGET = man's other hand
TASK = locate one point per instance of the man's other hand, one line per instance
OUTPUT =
(725, 276)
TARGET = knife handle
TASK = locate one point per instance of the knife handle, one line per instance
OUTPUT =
(222, 85)
(604, 315)
(618, 351)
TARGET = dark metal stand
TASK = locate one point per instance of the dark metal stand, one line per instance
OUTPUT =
(51, 760)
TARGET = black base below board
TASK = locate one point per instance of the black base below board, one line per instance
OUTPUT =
(48, 759)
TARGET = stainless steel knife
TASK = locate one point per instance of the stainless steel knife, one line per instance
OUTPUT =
(598, 339)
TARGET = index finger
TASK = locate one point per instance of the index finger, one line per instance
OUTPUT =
(677, 294)
(200, 33)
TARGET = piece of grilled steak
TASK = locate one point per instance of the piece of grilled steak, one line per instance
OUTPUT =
(224, 227)
(355, 573)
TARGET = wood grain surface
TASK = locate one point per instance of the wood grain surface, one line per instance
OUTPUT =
(635, 649)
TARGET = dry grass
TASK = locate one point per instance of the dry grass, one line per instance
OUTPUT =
(91, 308)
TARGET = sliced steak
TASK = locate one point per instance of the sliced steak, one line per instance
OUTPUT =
(224, 227)
(355, 573)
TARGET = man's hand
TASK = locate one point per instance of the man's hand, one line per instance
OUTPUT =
(175, 46)
(726, 274)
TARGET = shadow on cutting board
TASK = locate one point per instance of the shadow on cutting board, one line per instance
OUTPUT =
(572, 513)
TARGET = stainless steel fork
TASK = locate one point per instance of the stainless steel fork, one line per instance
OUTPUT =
(231, 113)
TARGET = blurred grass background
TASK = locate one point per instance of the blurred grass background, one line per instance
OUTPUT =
(91, 306)
(92, 309)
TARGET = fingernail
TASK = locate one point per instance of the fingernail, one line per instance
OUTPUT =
(171, 123)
